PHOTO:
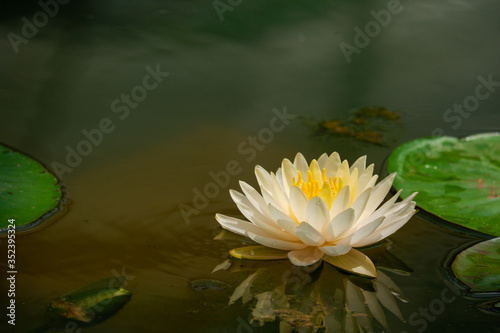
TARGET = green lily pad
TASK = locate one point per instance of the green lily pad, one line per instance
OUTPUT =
(28, 191)
(457, 179)
(478, 266)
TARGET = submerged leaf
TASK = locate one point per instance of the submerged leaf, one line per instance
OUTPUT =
(88, 305)
(98, 300)
(207, 284)
(457, 179)
(479, 266)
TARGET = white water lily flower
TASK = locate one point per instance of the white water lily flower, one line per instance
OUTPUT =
(318, 211)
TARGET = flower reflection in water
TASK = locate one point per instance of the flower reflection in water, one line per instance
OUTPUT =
(320, 298)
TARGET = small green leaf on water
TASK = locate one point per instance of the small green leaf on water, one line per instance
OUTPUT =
(457, 179)
(28, 191)
(258, 252)
(478, 266)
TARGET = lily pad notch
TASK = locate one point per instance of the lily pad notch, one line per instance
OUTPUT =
(29, 193)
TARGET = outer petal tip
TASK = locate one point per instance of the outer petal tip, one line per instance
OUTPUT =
(354, 262)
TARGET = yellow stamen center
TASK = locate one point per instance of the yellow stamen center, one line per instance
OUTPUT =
(327, 189)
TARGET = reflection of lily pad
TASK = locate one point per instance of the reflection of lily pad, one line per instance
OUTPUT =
(457, 179)
(479, 266)
(27, 190)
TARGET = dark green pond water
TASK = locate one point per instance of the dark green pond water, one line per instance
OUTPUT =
(87, 93)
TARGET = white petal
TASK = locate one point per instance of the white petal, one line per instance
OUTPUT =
(298, 202)
(343, 171)
(339, 224)
(288, 173)
(306, 256)
(360, 164)
(353, 261)
(332, 165)
(255, 198)
(238, 226)
(263, 178)
(276, 243)
(378, 194)
(309, 235)
(317, 214)
(254, 216)
(284, 221)
(341, 202)
(371, 182)
(398, 207)
(364, 178)
(315, 171)
(270, 188)
(386, 231)
(335, 250)
(360, 204)
(386, 206)
(289, 227)
(365, 231)
(322, 160)
(278, 192)
(277, 214)
(301, 164)
(250, 211)
(279, 178)
(353, 182)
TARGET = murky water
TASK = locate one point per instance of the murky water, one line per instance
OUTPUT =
(228, 81)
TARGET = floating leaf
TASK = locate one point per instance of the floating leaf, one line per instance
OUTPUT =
(258, 253)
(27, 190)
(479, 266)
(457, 179)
